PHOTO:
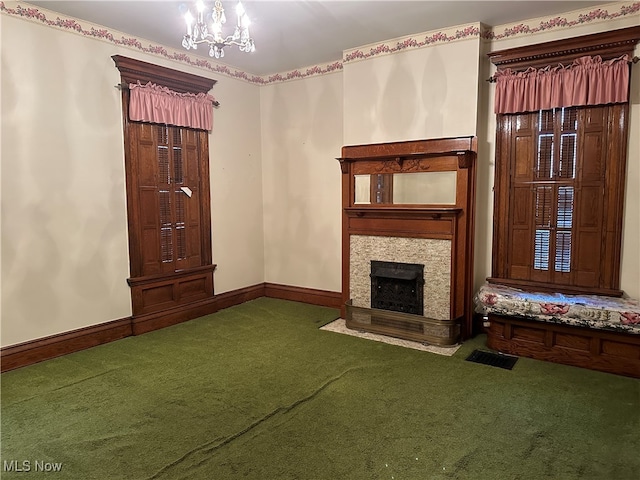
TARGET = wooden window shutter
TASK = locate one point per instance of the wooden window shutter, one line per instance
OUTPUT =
(521, 153)
(565, 176)
(591, 196)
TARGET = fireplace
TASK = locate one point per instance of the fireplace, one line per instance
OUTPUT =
(397, 287)
(431, 303)
(418, 273)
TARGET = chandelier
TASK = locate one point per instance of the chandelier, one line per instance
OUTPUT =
(199, 32)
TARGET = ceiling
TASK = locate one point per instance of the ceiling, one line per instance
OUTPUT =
(300, 33)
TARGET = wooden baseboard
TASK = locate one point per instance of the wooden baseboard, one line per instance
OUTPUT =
(323, 298)
(241, 295)
(34, 351)
(155, 321)
(166, 318)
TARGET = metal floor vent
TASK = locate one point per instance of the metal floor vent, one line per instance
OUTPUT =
(493, 359)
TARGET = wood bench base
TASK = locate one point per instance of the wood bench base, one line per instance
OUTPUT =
(601, 350)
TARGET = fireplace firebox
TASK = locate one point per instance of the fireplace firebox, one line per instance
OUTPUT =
(397, 287)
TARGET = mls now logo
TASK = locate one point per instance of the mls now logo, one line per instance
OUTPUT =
(28, 466)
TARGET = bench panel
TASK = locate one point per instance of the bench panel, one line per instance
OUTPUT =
(617, 353)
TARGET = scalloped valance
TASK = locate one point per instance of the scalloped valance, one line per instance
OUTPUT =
(156, 104)
(588, 80)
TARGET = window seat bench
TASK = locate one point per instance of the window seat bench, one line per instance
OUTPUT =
(595, 332)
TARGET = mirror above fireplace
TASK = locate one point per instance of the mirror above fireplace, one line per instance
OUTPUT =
(414, 188)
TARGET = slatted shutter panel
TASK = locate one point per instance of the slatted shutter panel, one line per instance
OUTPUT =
(150, 215)
(192, 205)
(543, 208)
(564, 229)
(166, 198)
(178, 182)
(543, 196)
(564, 183)
(590, 196)
(520, 222)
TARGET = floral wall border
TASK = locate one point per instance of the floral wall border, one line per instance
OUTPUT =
(394, 46)
(580, 17)
(445, 36)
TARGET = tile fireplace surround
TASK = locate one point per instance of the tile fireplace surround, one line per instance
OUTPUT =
(434, 254)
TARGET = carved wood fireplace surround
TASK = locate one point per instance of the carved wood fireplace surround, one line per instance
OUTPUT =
(438, 235)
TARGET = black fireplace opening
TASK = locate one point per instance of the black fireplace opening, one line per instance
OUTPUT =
(397, 287)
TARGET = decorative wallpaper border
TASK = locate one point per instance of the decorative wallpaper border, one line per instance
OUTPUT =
(393, 46)
(579, 17)
(87, 29)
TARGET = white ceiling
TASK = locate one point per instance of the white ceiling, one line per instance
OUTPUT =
(300, 33)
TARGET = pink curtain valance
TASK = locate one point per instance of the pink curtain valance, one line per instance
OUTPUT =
(156, 104)
(587, 81)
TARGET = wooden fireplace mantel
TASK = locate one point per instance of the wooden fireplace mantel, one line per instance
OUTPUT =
(402, 212)
(453, 222)
(412, 156)
(438, 223)
(431, 147)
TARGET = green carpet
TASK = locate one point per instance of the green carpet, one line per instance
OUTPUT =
(258, 392)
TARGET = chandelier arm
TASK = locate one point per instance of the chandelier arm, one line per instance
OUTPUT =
(209, 39)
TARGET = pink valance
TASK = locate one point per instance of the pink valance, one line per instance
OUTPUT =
(156, 104)
(587, 81)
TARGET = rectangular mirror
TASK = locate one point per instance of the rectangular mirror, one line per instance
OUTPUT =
(417, 188)
(428, 188)
(363, 189)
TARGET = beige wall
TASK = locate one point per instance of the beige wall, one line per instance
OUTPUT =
(64, 229)
(64, 241)
(301, 137)
(236, 186)
(429, 92)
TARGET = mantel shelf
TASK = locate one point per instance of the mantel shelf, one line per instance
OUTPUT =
(406, 156)
(402, 212)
